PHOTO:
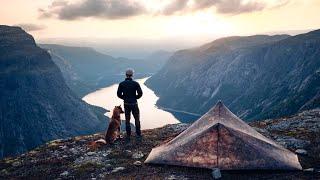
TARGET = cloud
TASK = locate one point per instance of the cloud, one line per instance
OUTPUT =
(238, 6)
(232, 7)
(120, 9)
(174, 7)
(31, 27)
(43, 14)
(58, 3)
(107, 9)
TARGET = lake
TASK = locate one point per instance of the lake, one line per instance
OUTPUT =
(151, 116)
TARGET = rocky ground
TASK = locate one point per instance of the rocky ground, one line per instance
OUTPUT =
(73, 159)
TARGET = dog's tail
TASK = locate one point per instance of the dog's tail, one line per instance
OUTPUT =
(102, 141)
(96, 144)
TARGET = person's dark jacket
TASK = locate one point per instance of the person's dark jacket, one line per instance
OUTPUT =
(129, 90)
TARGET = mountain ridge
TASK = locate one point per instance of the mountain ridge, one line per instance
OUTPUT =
(243, 77)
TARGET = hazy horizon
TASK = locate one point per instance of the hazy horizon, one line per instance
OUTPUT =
(144, 47)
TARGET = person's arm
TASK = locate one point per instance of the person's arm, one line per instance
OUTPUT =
(120, 91)
(139, 91)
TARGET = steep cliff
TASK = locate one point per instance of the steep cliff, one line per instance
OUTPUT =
(257, 76)
(36, 104)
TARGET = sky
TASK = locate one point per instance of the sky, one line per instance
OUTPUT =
(195, 20)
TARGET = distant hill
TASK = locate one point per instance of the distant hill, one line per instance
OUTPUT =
(86, 70)
(36, 104)
(256, 76)
(159, 58)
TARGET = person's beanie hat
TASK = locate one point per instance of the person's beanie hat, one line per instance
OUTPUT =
(129, 72)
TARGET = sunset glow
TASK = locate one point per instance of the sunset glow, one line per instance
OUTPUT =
(159, 19)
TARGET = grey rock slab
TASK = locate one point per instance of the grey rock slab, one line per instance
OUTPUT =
(138, 163)
(117, 169)
(309, 170)
(301, 151)
(216, 174)
(65, 173)
(91, 153)
(16, 163)
(137, 155)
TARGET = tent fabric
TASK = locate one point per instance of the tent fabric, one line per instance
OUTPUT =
(219, 139)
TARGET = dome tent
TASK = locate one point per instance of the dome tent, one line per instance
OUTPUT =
(219, 139)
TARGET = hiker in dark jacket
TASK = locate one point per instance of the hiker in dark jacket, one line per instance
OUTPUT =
(130, 90)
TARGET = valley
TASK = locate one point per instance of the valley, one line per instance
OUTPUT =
(86, 69)
(151, 116)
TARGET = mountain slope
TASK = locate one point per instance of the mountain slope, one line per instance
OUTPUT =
(36, 104)
(86, 70)
(257, 76)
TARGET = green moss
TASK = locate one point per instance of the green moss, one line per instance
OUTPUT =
(291, 133)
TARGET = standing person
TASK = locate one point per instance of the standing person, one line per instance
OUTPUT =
(130, 90)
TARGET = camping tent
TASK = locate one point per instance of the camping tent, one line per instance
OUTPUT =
(219, 139)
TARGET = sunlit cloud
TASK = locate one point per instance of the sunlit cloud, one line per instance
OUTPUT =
(115, 9)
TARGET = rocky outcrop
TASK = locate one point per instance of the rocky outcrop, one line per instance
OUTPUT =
(36, 104)
(299, 133)
(258, 77)
(72, 158)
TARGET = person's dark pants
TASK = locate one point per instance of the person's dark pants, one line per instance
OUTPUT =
(128, 108)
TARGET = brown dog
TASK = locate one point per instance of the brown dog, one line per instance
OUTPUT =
(114, 126)
(113, 130)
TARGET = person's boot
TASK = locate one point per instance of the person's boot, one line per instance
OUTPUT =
(138, 129)
(128, 136)
(128, 130)
(139, 136)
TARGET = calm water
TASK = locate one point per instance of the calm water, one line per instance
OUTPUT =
(150, 115)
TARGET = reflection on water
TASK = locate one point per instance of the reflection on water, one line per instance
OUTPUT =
(151, 115)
